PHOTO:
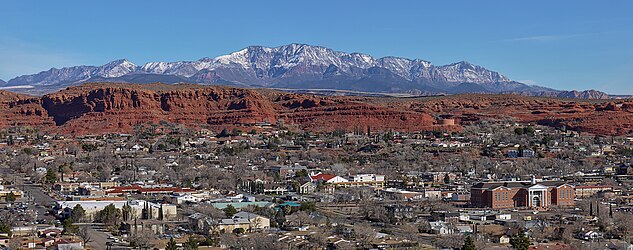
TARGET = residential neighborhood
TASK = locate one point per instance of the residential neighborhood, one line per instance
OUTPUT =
(280, 188)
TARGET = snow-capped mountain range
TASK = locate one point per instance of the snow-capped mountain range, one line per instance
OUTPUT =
(293, 66)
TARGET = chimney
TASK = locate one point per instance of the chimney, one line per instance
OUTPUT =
(533, 180)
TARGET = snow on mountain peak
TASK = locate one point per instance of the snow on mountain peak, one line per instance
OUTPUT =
(298, 65)
(466, 72)
(116, 68)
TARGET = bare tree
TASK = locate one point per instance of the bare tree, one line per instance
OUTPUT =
(450, 241)
(84, 234)
(142, 239)
(364, 234)
(318, 239)
(300, 218)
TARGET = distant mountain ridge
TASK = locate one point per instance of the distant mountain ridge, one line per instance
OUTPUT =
(294, 66)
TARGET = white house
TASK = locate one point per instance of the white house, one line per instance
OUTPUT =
(328, 178)
(440, 227)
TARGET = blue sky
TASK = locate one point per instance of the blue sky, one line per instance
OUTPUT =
(558, 44)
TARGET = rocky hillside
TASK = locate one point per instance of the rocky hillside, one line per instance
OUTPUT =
(116, 107)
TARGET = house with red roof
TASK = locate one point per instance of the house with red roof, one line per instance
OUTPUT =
(328, 178)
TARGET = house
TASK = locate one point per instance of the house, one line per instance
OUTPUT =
(464, 229)
(50, 232)
(398, 194)
(91, 191)
(400, 212)
(274, 189)
(288, 171)
(432, 194)
(328, 178)
(230, 225)
(589, 235)
(307, 188)
(503, 239)
(441, 228)
(184, 198)
(202, 223)
(257, 222)
(460, 197)
(4, 191)
(65, 244)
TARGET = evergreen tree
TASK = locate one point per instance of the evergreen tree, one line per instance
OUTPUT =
(229, 211)
(126, 210)
(10, 197)
(171, 245)
(69, 227)
(6, 229)
(280, 218)
(50, 176)
(110, 215)
(224, 133)
(469, 244)
(191, 244)
(520, 241)
(78, 213)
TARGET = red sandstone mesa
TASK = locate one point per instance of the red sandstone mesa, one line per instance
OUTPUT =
(112, 107)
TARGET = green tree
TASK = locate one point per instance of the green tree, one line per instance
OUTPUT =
(5, 228)
(469, 244)
(50, 176)
(191, 244)
(520, 241)
(69, 227)
(10, 197)
(171, 245)
(229, 211)
(110, 215)
(519, 131)
(28, 151)
(280, 218)
(224, 133)
(89, 147)
(307, 206)
(78, 213)
(301, 173)
(126, 212)
(529, 130)
(447, 179)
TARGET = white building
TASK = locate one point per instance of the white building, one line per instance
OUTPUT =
(366, 178)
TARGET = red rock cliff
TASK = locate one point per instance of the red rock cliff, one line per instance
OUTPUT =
(111, 107)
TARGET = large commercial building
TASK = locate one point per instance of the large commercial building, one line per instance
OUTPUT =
(526, 194)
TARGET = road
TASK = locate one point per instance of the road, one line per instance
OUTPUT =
(99, 238)
(39, 201)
